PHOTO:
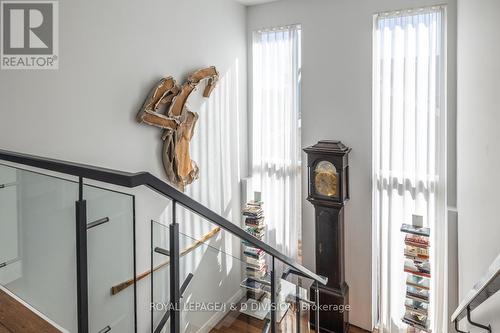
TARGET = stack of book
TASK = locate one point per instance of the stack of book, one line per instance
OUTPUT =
(257, 280)
(417, 266)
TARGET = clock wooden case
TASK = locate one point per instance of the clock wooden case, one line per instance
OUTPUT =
(328, 182)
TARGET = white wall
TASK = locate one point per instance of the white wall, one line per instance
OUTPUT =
(478, 153)
(336, 104)
(111, 54)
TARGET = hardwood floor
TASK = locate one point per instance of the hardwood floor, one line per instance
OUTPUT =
(16, 318)
(4, 329)
(235, 322)
(354, 329)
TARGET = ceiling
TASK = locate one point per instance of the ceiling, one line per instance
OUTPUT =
(253, 2)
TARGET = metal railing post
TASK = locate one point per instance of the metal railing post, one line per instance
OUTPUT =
(81, 261)
(297, 304)
(151, 276)
(316, 326)
(175, 295)
(273, 296)
(484, 327)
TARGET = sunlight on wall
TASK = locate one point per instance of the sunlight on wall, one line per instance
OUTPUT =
(215, 148)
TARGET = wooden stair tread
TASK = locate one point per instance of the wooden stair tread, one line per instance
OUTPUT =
(17, 318)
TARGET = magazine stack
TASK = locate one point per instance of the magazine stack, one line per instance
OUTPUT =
(257, 281)
(417, 267)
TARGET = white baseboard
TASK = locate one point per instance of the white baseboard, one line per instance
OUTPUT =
(217, 317)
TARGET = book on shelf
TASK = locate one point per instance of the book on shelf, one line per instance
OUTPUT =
(253, 263)
(256, 272)
(422, 268)
(255, 286)
(418, 321)
(251, 284)
(258, 203)
(415, 298)
(255, 222)
(418, 241)
(253, 211)
(417, 306)
(259, 256)
(417, 281)
(411, 229)
(253, 257)
(255, 229)
(265, 279)
(418, 273)
(417, 265)
(416, 253)
(415, 258)
(421, 295)
(252, 249)
(258, 233)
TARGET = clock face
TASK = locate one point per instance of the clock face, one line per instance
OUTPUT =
(326, 179)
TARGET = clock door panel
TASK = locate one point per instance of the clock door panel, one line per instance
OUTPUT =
(329, 245)
(326, 180)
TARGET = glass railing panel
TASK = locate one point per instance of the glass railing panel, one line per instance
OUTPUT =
(212, 270)
(230, 289)
(37, 221)
(295, 297)
(150, 206)
(110, 251)
(212, 256)
(9, 227)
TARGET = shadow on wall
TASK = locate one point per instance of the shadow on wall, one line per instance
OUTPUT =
(216, 268)
(213, 288)
(208, 297)
(215, 148)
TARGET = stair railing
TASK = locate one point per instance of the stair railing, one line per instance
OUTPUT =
(486, 287)
(132, 180)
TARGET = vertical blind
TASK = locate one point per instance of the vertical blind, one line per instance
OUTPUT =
(275, 132)
(408, 154)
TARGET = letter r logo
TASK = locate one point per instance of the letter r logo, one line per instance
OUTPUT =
(27, 27)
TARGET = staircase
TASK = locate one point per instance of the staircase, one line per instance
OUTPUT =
(76, 246)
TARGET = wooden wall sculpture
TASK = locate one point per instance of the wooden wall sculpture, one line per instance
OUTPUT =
(165, 107)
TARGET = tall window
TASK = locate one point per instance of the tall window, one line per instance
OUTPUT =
(276, 132)
(409, 154)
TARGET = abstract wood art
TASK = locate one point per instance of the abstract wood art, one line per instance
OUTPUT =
(165, 107)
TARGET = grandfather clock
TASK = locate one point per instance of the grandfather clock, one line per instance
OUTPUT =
(328, 173)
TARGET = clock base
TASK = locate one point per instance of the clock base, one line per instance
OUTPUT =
(333, 317)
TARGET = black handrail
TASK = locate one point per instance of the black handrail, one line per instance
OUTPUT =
(131, 180)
